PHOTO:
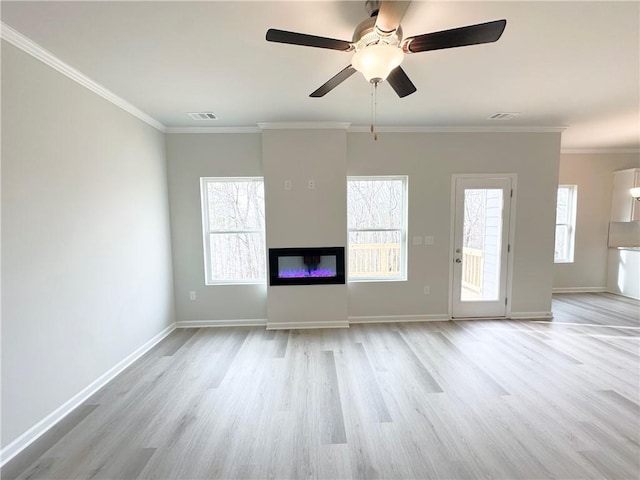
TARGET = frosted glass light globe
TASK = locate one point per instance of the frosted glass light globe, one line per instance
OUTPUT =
(377, 61)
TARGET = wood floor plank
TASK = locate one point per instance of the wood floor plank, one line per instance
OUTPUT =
(457, 400)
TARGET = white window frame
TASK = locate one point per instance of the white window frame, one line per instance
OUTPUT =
(207, 230)
(403, 230)
(570, 225)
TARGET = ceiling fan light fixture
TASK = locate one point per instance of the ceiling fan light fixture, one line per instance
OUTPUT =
(377, 61)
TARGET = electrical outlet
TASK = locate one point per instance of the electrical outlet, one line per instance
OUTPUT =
(192, 295)
(287, 184)
(312, 184)
(427, 289)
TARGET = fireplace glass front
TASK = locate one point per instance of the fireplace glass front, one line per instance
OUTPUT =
(306, 266)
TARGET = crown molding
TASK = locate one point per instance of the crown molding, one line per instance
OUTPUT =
(18, 40)
(468, 129)
(359, 129)
(304, 125)
(213, 130)
(592, 151)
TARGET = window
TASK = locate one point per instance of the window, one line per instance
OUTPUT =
(233, 230)
(377, 222)
(565, 223)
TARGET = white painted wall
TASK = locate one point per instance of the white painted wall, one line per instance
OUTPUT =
(304, 217)
(593, 174)
(86, 261)
(191, 156)
(429, 160)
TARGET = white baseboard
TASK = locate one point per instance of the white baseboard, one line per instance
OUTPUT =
(305, 325)
(243, 322)
(529, 315)
(613, 292)
(579, 290)
(432, 317)
(40, 428)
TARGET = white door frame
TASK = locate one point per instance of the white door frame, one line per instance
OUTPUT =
(511, 235)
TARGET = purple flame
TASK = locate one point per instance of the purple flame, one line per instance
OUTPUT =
(320, 272)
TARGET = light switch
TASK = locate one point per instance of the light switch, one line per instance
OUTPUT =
(428, 240)
(287, 184)
(417, 239)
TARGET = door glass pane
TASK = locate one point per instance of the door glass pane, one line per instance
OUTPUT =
(482, 234)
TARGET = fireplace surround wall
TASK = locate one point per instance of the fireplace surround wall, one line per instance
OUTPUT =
(311, 213)
(306, 266)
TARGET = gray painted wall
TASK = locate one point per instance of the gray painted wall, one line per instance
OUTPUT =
(593, 174)
(429, 159)
(191, 156)
(303, 217)
(86, 254)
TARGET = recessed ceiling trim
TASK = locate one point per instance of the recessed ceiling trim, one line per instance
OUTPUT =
(304, 125)
(32, 48)
(469, 129)
(366, 129)
(213, 130)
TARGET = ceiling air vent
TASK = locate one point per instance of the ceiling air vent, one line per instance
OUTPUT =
(502, 116)
(203, 116)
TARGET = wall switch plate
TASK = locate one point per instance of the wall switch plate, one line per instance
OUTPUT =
(428, 240)
(427, 289)
(287, 184)
(312, 184)
(192, 295)
(417, 239)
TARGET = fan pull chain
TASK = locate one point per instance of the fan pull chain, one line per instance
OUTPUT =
(374, 105)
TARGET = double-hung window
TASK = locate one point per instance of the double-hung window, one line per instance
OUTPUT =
(377, 224)
(233, 230)
(565, 223)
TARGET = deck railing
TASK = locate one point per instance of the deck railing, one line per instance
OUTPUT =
(472, 269)
(374, 260)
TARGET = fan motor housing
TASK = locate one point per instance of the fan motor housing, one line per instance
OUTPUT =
(366, 28)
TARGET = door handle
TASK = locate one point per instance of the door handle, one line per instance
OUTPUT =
(458, 260)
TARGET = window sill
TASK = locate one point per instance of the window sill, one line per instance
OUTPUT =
(375, 280)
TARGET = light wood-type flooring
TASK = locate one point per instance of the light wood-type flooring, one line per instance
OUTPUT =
(443, 400)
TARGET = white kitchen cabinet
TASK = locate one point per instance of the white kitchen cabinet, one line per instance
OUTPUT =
(625, 208)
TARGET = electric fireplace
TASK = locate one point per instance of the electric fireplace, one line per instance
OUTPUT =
(306, 266)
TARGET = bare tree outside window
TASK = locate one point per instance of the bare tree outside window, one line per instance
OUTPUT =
(233, 224)
(475, 205)
(376, 223)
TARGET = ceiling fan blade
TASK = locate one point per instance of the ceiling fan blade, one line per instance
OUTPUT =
(390, 15)
(400, 82)
(336, 80)
(293, 38)
(456, 37)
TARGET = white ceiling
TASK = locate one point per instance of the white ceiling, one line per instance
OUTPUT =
(573, 64)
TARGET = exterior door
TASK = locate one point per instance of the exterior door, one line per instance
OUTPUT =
(482, 209)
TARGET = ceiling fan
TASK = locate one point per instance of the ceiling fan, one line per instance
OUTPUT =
(379, 47)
